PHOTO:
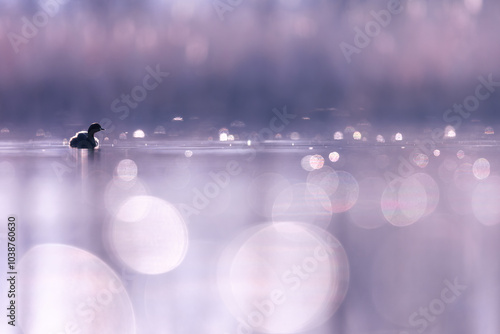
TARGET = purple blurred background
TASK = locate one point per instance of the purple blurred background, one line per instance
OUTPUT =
(237, 63)
(268, 166)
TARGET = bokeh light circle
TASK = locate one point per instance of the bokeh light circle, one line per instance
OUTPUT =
(295, 136)
(334, 156)
(305, 162)
(489, 131)
(421, 160)
(65, 287)
(139, 134)
(481, 168)
(148, 235)
(293, 284)
(126, 170)
(317, 161)
(404, 201)
(449, 132)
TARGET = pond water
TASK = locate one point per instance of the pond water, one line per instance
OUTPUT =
(242, 238)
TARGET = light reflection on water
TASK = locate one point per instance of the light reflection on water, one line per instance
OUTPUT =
(158, 218)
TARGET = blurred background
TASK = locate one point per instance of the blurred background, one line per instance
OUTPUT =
(268, 166)
(237, 60)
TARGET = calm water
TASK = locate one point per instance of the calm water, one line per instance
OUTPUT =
(245, 239)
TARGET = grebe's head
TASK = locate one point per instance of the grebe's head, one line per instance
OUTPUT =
(95, 127)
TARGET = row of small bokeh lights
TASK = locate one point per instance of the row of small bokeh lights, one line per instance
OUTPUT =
(225, 135)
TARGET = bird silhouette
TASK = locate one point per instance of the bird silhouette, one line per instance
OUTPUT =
(86, 139)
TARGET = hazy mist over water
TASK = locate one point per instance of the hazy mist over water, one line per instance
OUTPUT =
(240, 62)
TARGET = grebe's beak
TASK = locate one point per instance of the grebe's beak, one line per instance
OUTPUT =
(102, 129)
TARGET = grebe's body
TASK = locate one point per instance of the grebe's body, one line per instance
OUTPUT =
(86, 139)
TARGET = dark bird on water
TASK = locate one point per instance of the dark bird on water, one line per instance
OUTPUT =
(86, 139)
